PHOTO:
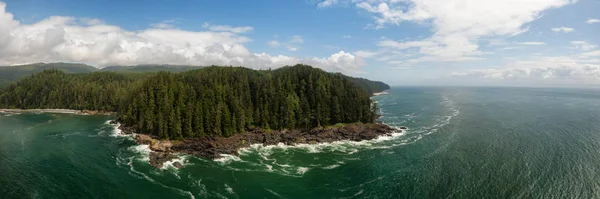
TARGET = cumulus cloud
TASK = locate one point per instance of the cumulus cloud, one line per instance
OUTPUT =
(457, 25)
(565, 68)
(69, 39)
(582, 45)
(591, 21)
(225, 28)
(563, 29)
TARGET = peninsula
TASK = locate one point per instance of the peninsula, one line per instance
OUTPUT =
(213, 110)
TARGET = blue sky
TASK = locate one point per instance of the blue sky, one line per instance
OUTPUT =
(401, 42)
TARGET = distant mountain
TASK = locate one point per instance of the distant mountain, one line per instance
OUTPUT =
(10, 74)
(149, 68)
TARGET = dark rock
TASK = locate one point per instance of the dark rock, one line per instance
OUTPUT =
(158, 158)
(211, 147)
(177, 165)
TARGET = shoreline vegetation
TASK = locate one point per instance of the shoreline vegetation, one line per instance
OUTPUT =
(213, 110)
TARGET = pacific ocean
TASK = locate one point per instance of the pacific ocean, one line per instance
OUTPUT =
(461, 143)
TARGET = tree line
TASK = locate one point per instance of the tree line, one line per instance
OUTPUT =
(216, 101)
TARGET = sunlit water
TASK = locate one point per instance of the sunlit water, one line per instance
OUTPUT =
(461, 143)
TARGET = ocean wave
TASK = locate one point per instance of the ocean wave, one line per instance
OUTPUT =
(116, 131)
(274, 193)
(142, 151)
(302, 170)
(181, 159)
(226, 158)
(7, 114)
(141, 175)
(198, 184)
(261, 158)
(229, 189)
(65, 135)
(331, 166)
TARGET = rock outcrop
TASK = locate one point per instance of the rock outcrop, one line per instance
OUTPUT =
(211, 147)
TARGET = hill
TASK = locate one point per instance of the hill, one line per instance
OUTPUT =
(10, 74)
(216, 101)
(149, 68)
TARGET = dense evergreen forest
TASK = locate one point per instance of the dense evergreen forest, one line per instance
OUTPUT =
(149, 68)
(209, 101)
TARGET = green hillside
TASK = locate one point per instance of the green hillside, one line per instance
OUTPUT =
(10, 74)
(149, 68)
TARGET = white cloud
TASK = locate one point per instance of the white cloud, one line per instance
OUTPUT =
(291, 48)
(365, 54)
(273, 43)
(225, 28)
(69, 39)
(582, 45)
(595, 53)
(289, 45)
(91, 22)
(591, 21)
(341, 61)
(347, 36)
(533, 43)
(457, 25)
(327, 3)
(166, 24)
(563, 29)
(543, 68)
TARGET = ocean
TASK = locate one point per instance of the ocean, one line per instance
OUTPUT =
(461, 143)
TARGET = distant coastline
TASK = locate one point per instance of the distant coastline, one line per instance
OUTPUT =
(61, 111)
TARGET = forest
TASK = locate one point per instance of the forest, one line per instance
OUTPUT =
(213, 101)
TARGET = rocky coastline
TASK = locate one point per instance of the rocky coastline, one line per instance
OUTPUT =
(60, 111)
(212, 147)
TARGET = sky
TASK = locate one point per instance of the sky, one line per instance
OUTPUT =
(400, 42)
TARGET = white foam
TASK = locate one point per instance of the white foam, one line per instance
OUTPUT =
(143, 150)
(302, 170)
(144, 176)
(275, 193)
(229, 189)
(358, 193)
(381, 93)
(198, 183)
(226, 158)
(182, 159)
(331, 166)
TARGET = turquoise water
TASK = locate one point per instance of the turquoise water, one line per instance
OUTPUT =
(461, 143)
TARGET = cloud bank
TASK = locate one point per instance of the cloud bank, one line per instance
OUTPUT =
(69, 39)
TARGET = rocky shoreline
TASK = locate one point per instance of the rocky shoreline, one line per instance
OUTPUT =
(61, 111)
(212, 147)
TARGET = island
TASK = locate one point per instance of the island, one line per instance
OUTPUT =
(213, 110)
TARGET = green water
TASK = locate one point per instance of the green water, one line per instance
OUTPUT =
(462, 143)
